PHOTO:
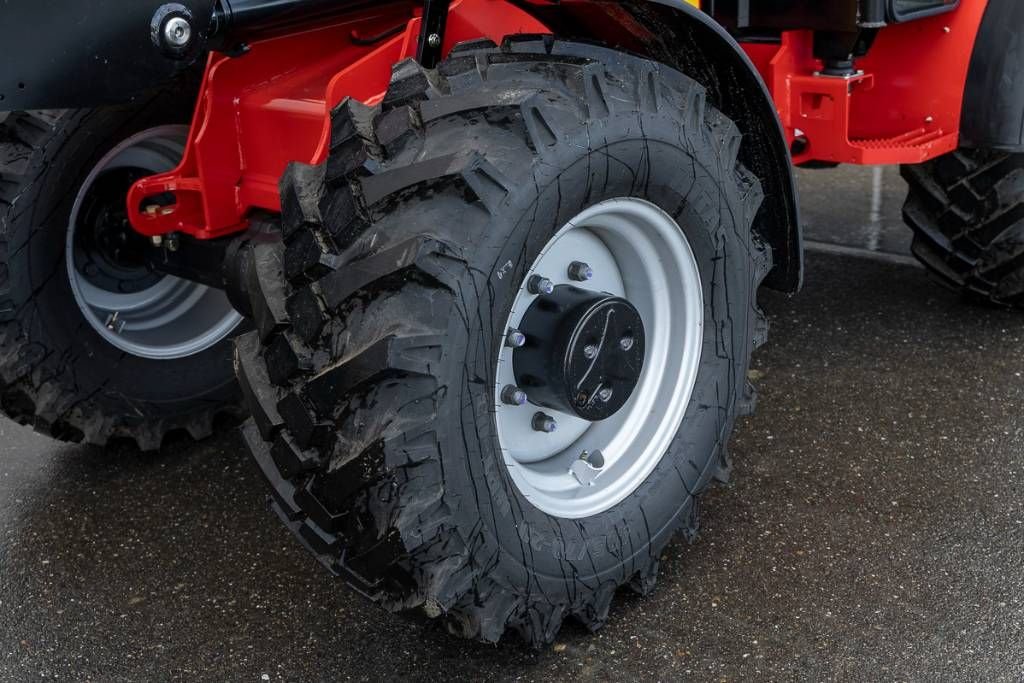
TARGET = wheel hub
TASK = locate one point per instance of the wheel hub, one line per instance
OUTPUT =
(584, 352)
(109, 254)
(139, 311)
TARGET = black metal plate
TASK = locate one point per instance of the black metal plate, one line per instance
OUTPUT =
(61, 54)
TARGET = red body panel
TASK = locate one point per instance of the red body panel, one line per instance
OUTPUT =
(271, 106)
(904, 108)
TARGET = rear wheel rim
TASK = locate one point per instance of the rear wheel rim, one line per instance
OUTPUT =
(142, 313)
(638, 252)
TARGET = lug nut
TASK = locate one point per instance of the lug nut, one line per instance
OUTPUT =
(540, 285)
(513, 395)
(515, 339)
(590, 352)
(580, 271)
(543, 422)
(626, 343)
(604, 395)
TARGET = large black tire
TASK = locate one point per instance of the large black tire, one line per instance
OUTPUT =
(371, 379)
(966, 209)
(56, 372)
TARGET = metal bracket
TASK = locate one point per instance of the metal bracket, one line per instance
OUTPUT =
(435, 17)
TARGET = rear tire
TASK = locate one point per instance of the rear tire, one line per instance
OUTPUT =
(59, 372)
(967, 213)
(372, 379)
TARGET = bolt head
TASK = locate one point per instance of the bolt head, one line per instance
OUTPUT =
(580, 271)
(540, 285)
(604, 395)
(513, 395)
(543, 422)
(177, 32)
(434, 40)
(626, 343)
(515, 339)
(590, 351)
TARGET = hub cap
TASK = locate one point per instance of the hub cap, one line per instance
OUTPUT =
(607, 362)
(136, 309)
(583, 354)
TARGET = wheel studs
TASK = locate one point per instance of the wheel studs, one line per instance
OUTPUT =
(515, 339)
(513, 395)
(542, 422)
(540, 285)
(580, 271)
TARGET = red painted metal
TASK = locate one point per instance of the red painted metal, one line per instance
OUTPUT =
(903, 109)
(271, 106)
(260, 111)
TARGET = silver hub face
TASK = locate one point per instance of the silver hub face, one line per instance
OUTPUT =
(138, 311)
(563, 464)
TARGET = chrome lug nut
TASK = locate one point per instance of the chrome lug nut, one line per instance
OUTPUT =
(513, 395)
(580, 271)
(626, 343)
(542, 422)
(590, 351)
(515, 339)
(538, 284)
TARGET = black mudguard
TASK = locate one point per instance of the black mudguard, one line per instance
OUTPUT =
(993, 113)
(61, 54)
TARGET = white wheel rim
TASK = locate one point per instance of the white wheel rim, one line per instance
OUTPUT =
(173, 318)
(638, 252)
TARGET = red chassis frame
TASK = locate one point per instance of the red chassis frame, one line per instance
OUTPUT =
(258, 112)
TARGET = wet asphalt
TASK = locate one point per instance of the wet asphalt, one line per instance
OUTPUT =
(874, 529)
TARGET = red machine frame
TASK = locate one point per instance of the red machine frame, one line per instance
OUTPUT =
(258, 112)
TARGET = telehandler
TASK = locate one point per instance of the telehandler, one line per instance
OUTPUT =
(483, 273)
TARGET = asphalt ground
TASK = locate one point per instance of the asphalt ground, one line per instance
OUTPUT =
(874, 529)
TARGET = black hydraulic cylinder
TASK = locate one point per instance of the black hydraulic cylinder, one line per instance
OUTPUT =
(237, 20)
